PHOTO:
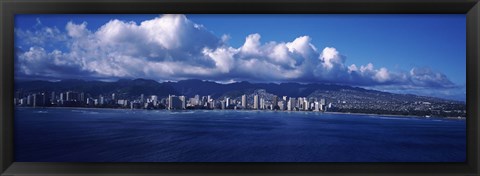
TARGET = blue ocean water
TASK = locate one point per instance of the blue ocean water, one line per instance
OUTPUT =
(109, 135)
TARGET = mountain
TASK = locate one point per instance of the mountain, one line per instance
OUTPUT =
(123, 87)
(188, 88)
(133, 88)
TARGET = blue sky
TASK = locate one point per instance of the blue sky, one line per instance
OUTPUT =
(421, 54)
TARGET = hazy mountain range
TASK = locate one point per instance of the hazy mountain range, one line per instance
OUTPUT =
(133, 88)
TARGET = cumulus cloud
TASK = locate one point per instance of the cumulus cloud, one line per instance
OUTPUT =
(171, 47)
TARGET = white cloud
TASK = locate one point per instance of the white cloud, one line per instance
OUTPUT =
(223, 57)
(77, 30)
(352, 68)
(331, 58)
(382, 75)
(251, 45)
(171, 47)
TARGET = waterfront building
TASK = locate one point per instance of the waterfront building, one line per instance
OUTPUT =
(291, 105)
(122, 102)
(244, 101)
(29, 100)
(256, 102)
(262, 103)
(306, 106)
(274, 102)
(174, 102)
(102, 100)
(191, 102)
(43, 99)
(63, 97)
(82, 97)
(184, 102)
(281, 105)
(197, 100)
(142, 98)
(316, 106)
(72, 96)
(52, 97)
(227, 102)
(34, 100)
(223, 104)
(299, 102)
(154, 100)
(89, 101)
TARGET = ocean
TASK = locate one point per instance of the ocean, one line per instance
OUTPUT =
(120, 135)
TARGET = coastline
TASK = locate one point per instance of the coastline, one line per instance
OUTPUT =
(402, 116)
(327, 112)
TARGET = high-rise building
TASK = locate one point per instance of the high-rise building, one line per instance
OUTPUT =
(300, 103)
(204, 101)
(34, 102)
(306, 106)
(184, 101)
(113, 96)
(63, 98)
(29, 100)
(275, 102)
(323, 104)
(256, 102)
(81, 97)
(192, 102)
(223, 104)
(174, 102)
(89, 101)
(262, 103)
(154, 100)
(72, 96)
(43, 99)
(281, 105)
(316, 106)
(142, 98)
(52, 97)
(101, 99)
(291, 104)
(197, 100)
(244, 101)
(227, 102)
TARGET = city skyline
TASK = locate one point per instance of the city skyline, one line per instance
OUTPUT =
(222, 48)
(325, 98)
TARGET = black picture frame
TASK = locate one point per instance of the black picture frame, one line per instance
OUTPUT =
(9, 8)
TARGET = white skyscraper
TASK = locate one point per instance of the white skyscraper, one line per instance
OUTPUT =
(256, 102)
(262, 103)
(227, 102)
(244, 101)
(281, 105)
(316, 107)
(291, 104)
(154, 99)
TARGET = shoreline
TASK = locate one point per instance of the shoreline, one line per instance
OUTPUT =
(327, 112)
(401, 116)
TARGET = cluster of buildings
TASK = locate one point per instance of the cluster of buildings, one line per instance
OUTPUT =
(171, 102)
